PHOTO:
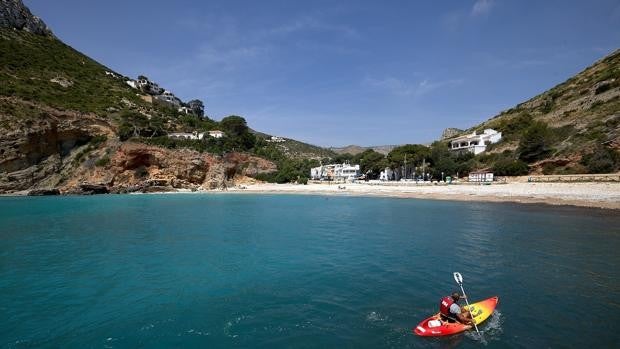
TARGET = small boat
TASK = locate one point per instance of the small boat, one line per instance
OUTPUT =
(434, 326)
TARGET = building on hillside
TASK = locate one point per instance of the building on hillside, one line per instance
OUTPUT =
(187, 135)
(185, 110)
(216, 134)
(148, 86)
(481, 176)
(475, 143)
(344, 171)
(275, 139)
(169, 98)
(109, 73)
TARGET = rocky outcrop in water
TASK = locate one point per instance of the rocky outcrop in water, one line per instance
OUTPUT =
(13, 14)
(44, 192)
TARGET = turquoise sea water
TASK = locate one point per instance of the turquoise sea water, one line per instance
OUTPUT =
(197, 271)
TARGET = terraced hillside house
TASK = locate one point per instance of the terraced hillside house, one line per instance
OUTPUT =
(475, 143)
(169, 98)
(187, 135)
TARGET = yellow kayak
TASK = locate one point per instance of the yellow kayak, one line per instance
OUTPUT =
(434, 326)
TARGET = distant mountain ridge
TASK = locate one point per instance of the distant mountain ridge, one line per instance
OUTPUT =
(356, 149)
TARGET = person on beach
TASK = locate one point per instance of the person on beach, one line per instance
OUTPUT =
(451, 311)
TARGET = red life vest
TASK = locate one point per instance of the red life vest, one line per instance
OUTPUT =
(444, 305)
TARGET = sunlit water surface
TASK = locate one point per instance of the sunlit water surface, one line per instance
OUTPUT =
(183, 271)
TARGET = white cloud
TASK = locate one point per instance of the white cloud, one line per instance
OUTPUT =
(391, 84)
(402, 87)
(481, 7)
(310, 23)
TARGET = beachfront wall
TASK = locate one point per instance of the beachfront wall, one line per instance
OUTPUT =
(475, 143)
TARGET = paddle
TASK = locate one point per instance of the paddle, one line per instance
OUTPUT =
(459, 280)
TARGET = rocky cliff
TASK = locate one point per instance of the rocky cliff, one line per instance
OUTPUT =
(450, 132)
(80, 153)
(60, 119)
(13, 14)
(136, 167)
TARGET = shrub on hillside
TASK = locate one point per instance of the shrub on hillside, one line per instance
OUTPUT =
(510, 167)
(104, 161)
(602, 160)
(535, 143)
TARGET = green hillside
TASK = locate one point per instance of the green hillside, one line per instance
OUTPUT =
(572, 128)
(40, 76)
(29, 63)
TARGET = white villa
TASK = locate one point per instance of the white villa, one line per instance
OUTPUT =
(148, 86)
(185, 110)
(216, 134)
(187, 135)
(276, 139)
(196, 135)
(475, 143)
(344, 171)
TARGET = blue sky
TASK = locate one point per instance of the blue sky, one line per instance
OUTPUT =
(334, 73)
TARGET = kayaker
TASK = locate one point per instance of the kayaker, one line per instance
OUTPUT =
(451, 311)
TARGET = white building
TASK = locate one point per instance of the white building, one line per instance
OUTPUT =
(344, 171)
(276, 139)
(186, 135)
(148, 86)
(481, 177)
(386, 175)
(475, 143)
(169, 98)
(216, 134)
(185, 110)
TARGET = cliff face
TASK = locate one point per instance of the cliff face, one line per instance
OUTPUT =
(13, 14)
(138, 167)
(80, 153)
(60, 114)
(36, 142)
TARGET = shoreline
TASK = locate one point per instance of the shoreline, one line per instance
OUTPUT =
(591, 195)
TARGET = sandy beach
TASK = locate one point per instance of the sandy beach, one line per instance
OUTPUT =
(599, 195)
(589, 194)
